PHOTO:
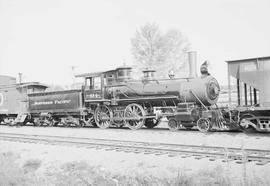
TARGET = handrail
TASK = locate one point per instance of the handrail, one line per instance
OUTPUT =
(198, 99)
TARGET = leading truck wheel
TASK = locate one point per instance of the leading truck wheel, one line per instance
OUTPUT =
(247, 124)
(103, 116)
(204, 125)
(134, 116)
(173, 124)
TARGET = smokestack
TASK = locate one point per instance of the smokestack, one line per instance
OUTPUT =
(20, 78)
(192, 61)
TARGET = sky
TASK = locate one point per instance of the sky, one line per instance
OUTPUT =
(43, 39)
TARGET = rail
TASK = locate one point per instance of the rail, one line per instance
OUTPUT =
(260, 157)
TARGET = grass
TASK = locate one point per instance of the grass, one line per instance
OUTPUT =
(79, 173)
(31, 165)
(10, 172)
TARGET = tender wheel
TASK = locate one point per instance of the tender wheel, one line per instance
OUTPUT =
(103, 116)
(10, 122)
(49, 122)
(37, 122)
(56, 123)
(65, 124)
(173, 124)
(151, 123)
(204, 125)
(81, 123)
(134, 116)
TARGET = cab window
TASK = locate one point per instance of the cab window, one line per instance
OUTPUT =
(97, 83)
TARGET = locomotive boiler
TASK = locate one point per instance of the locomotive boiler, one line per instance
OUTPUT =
(200, 90)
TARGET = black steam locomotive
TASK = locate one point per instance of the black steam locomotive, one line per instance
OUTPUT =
(113, 98)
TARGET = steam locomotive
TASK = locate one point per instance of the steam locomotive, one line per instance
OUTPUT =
(113, 98)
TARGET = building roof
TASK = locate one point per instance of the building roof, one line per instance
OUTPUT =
(32, 84)
(249, 59)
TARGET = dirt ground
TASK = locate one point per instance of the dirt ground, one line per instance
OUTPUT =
(53, 157)
(162, 135)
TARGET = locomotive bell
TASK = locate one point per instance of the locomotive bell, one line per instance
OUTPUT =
(204, 68)
(171, 74)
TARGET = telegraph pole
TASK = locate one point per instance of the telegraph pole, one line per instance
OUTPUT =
(20, 77)
(73, 73)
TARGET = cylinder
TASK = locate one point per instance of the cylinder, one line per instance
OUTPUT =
(192, 61)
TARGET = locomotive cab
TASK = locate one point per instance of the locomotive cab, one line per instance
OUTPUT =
(93, 86)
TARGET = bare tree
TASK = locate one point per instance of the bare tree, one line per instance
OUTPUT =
(162, 52)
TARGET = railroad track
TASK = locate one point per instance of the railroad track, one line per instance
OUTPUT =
(260, 157)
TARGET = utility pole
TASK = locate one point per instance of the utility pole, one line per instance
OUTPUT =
(73, 74)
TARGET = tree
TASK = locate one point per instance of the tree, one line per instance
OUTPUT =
(53, 87)
(161, 52)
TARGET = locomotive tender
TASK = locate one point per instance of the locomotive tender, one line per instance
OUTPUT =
(113, 98)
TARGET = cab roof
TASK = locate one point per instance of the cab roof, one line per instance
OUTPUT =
(98, 74)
